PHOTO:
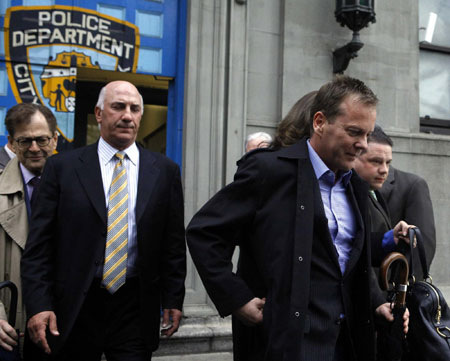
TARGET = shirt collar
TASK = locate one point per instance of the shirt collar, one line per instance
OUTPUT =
(26, 174)
(322, 171)
(106, 152)
(10, 153)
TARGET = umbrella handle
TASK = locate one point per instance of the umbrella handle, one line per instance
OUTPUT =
(402, 272)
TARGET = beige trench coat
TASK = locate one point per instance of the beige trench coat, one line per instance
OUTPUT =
(13, 233)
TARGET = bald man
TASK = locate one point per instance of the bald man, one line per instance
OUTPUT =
(106, 250)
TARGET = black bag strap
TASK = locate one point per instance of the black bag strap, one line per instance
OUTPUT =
(421, 250)
(13, 301)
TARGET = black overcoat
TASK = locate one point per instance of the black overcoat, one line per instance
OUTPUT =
(269, 210)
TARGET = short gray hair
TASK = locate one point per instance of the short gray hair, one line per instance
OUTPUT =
(265, 137)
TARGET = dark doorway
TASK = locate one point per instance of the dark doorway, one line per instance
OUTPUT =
(153, 127)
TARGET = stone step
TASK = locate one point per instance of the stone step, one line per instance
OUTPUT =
(216, 356)
(197, 338)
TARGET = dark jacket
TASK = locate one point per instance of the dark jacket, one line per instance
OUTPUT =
(408, 198)
(275, 210)
(67, 239)
(380, 224)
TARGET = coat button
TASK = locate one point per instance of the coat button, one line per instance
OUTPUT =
(297, 314)
(300, 259)
(302, 207)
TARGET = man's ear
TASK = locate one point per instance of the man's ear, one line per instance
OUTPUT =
(98, 114)
(11, 143)
(319, 120)
(55, 139)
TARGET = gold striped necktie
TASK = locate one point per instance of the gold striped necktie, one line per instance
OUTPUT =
(116, 251)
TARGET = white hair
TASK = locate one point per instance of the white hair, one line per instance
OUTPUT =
(101, 100)
(265, 137)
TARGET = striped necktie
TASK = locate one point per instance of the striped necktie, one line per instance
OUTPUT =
(116, 251)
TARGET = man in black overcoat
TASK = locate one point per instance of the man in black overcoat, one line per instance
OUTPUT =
(300, 215)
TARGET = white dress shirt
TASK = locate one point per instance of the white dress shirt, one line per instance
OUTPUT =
(107, 163)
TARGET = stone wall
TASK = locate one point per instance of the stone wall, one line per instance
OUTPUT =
(248, 63)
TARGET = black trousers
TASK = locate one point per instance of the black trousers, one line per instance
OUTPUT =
(344, 348)
(107, 324)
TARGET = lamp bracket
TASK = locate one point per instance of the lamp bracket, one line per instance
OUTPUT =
(343, 55)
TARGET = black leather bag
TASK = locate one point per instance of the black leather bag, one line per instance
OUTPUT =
(429, 322)
(13, 355)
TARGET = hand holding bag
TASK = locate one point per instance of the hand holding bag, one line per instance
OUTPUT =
(429, 322)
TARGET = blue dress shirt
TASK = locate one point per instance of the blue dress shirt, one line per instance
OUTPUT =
(338, 208)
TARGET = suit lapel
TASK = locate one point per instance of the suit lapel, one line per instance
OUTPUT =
(322, 224)
(378, 204)
(90, 176)
(148, 175)
(358, 194)
(307, 181)
(388, 185)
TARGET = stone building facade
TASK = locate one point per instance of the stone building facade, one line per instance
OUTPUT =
(247, 62)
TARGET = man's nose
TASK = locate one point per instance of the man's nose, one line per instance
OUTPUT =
(127, 114)
(384, 168)
(34, 147)
(362, 143)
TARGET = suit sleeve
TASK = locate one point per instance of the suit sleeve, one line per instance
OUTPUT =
(419, 211)
(37, 259)
(173, 267)
(377, 251)
(213, 231)
(376, 294)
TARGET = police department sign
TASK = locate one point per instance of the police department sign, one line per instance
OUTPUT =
(44, 45)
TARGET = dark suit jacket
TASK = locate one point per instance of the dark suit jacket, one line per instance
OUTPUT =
(275, 209)
(68, 233)
(380, 224)
(408, 199)
(4, 158)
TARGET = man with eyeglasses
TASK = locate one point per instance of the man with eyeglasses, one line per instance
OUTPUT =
(33, 137)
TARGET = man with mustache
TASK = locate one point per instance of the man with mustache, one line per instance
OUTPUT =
(106, 250)
(33, 137)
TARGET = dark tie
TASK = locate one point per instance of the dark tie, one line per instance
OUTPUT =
(34, 182)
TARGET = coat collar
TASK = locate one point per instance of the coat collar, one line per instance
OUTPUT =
(13, 217)
(11, 179)
(298, 150)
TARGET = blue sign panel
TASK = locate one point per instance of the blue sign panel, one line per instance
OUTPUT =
(43, 43)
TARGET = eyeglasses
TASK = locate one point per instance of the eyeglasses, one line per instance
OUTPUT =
(26, 142)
